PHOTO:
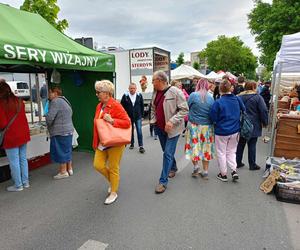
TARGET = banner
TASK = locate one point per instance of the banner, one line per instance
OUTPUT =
(14, 54)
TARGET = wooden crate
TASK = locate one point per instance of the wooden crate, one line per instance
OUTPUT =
(287, 142)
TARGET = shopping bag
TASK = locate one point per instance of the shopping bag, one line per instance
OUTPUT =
(110, 136)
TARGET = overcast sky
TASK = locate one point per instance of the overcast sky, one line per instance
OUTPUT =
(174, 25)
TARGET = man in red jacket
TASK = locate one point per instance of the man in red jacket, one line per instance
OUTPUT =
(12, 110)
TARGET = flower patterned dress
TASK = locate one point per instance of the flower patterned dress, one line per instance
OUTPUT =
(200, 142)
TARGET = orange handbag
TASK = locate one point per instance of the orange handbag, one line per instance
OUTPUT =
(110, 136)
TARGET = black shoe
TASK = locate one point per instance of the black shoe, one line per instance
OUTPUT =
(142, 150)
(222, 177)
(131, 146)
(256, 167)
(234, 175)
(240, 165)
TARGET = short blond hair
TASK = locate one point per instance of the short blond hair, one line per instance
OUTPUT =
(105, 86)
(175, 83)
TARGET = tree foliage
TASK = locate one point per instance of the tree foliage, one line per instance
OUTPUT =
(269, 22)
(230, 54)
(180, 59)
(196, 65)
(48, 9)
(266, 75)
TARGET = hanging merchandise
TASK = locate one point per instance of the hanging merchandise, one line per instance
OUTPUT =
(55, 77)
(78, 81)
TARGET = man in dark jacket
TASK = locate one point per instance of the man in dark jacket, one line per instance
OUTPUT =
(239, 88)
(266, 94)
(133, 103)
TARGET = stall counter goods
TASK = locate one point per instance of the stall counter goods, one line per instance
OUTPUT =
(287, 137)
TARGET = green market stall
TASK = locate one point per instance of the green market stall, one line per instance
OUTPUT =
(29, 44)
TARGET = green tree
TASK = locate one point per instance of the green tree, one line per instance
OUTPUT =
(196, 65)
(180, 59)
(48, 9)
(269, 22)
(266, 75)
(230, 54)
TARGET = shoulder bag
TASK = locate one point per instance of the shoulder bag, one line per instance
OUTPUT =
(110, 136)
(245, 124)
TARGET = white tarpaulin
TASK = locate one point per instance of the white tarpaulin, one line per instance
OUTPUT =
(185, 71)
(289, 54)
(286, 72)
(212, 75)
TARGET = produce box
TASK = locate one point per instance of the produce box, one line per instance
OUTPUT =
(286, 193)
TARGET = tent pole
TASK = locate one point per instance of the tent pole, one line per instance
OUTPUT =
(272, 94)
(275, 108)
(31, 106)
(38, 96)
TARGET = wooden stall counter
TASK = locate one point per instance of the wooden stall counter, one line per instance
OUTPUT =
(287, 143)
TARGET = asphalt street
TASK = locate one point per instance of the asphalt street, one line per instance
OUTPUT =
(191, 214)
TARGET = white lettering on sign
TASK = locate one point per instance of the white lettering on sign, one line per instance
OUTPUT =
(39, 55)
(43, 54)
(10, 50)
(57, 57)
(32, 54)
(21, 51)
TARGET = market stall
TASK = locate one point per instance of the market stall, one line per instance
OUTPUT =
(185, 72)
(285, 131)
(283, 164)
(29, 44)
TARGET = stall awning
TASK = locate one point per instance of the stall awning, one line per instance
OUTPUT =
(185, 71)
(289, 54)
(28, 39)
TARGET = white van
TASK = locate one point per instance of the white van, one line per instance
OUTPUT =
(20, 89)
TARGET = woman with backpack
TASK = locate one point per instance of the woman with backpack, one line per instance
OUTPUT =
(257, 111)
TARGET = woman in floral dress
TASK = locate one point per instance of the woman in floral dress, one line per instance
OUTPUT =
(200, 140)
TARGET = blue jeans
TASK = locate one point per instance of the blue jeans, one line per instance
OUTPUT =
(251, 151)
(138, 126)
(18, 165)
(168, 146)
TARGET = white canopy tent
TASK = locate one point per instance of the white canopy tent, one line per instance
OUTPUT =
(212, 75)
(286, 72)
(185, 72)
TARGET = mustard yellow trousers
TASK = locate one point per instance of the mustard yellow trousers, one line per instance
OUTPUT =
(107, 162)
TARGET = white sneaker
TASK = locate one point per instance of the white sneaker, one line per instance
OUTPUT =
(70, 172)
(14, 189)
(61, 176)
(26, 185)
(111, 198)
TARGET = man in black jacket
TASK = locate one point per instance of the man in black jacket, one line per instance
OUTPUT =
(133, 103)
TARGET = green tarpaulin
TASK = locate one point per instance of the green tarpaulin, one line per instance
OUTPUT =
(28, 39)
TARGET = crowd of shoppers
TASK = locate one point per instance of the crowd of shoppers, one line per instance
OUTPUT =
(212, 128)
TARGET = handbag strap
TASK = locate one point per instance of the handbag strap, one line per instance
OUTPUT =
(14, 117)
(66, 100)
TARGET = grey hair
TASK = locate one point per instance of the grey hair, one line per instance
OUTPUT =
(161, 75)
(132, 83)
(105, 86)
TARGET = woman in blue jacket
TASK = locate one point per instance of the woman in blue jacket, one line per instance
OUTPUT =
(225, 114)
(258, 114)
